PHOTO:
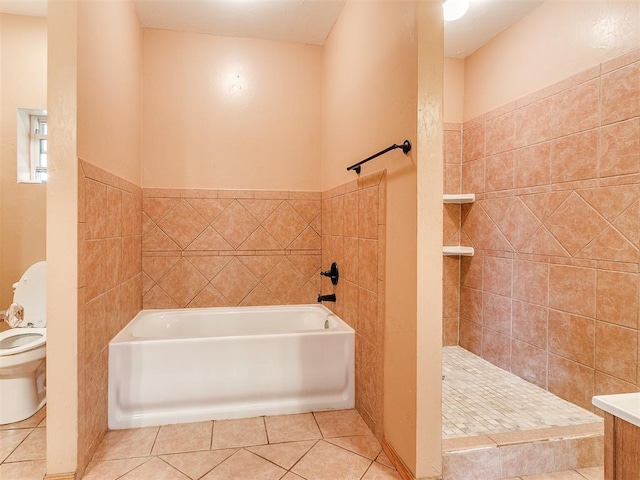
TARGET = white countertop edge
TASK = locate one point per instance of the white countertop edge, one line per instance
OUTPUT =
(622, 405)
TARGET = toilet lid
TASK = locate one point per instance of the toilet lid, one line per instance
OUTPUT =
(31, 293)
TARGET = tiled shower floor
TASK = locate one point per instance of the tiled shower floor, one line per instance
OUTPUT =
(479, 398)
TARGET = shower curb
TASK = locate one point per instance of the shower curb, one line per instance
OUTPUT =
(528, 452)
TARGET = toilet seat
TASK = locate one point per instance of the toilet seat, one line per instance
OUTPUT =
(18, 340)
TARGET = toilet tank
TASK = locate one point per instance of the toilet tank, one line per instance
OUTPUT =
(31, 293)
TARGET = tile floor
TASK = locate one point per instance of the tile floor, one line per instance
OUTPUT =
(319, 446)
(479, 398)
(335, 445)
(23, 448)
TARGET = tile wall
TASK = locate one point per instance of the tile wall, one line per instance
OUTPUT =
(451, 234)
(353, 236)
(552, 292)
(109, 289)
(215, 248)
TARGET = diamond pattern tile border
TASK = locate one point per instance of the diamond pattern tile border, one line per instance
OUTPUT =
(230, 249)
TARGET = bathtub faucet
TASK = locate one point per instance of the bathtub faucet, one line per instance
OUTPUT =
(327, 298)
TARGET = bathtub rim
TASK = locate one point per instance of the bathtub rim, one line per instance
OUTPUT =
(124, 336)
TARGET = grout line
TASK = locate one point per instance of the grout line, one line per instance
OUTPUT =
(128, 471)
(351, 451)
(4, 461)
(155, 439)
(266, 430)
(317, 425)
(213, 423)
(305, 454)
(366, 470)
(171, 466)
(263, 458)
(212, 469)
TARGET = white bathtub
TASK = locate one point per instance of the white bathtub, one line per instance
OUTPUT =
(189, 365)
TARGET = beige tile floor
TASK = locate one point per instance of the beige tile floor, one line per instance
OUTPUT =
(313, 446)
(23, 448)
(334, 445)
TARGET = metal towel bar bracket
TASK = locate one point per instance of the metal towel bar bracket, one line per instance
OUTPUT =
(405, 146)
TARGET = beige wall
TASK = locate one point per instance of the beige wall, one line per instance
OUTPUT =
(454, 90)
(23, 84)
(223, 112)
(370, 101)
(109, 137)
(429, 225)
(94, 109)
(1, 154)
(62, 239)
(556, 40)
(109, 83)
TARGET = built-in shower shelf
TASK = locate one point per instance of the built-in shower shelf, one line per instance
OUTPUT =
(457, 250)
(459, 197)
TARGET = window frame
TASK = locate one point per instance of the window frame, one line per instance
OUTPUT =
(29, 166)
(35, 152)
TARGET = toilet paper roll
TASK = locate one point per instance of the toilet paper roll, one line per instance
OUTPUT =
(14, 315)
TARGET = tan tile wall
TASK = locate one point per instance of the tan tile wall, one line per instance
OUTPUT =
(353, 236)
(552, 292)
(165, 248)
(451, 234)
(225, 248)
(214, 248)
(109, 289)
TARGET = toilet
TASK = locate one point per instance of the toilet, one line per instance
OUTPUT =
(22, 350)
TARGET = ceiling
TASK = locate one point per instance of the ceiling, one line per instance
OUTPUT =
(31, 8)
(484, 20)
(302, 21)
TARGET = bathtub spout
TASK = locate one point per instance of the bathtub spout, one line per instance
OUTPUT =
(327, 298)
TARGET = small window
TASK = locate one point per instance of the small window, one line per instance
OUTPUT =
(32, 146)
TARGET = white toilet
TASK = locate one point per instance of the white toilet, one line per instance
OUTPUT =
(22, 350)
